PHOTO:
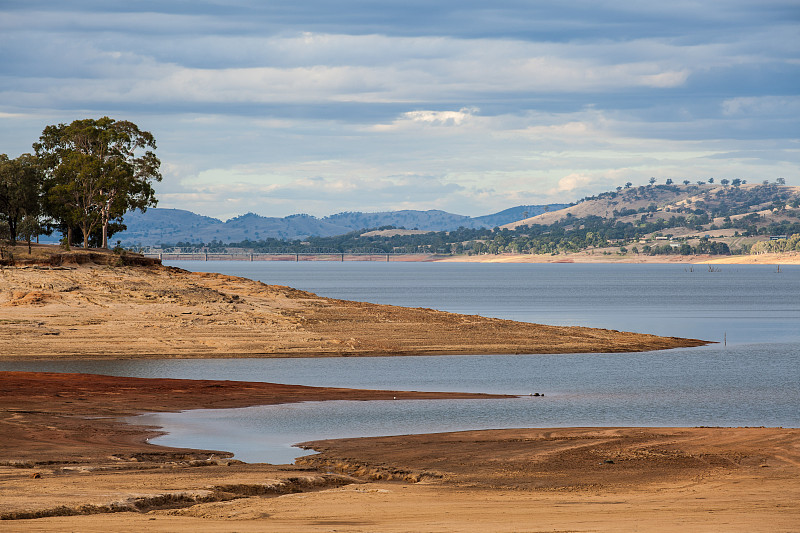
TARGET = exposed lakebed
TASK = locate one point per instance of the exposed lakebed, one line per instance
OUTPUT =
(753, 380)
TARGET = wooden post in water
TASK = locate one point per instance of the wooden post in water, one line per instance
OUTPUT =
(296, 258)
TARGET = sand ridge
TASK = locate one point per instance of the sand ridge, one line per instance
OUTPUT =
(95, 310)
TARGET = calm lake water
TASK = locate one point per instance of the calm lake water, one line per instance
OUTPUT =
(754, 380)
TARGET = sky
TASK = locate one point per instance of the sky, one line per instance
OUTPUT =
(319, 107)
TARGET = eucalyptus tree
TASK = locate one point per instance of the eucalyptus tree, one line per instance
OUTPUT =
(97, 170)
(20, 189)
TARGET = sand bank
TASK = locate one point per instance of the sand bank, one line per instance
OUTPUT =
(78, 470)
(95, 310)
(791, 258)
(45, 414)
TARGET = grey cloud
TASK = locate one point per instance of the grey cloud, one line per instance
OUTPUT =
(539, 21)
(283, 83)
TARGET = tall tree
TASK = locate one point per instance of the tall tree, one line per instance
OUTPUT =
(20, 188)
(97, 171)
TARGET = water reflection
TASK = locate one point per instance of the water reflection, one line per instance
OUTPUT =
(754, 380)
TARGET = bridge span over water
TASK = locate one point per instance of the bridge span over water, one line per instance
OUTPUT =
(377, 255)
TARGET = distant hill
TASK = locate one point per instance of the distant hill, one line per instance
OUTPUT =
(703, 204)
(516, 213)
(690, 218)
(170, 226)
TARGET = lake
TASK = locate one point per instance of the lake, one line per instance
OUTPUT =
(751, 379)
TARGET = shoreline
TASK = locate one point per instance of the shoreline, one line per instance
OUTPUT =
(100, 311)
(789, 258)
(69, 461)
(78, 467)
(44, 413)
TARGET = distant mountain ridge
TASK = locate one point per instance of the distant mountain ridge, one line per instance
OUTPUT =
(170, 226)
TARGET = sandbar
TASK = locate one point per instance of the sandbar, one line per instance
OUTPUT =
(94, 310)
(67, 464)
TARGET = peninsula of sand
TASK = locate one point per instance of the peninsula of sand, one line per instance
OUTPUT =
(69, 463)
(82, 305)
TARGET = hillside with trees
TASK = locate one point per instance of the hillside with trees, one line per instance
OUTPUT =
(89, 177)
(728, 217)
(170, 226)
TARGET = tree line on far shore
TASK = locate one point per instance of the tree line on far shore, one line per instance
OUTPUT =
(568, 235)
(80, 180)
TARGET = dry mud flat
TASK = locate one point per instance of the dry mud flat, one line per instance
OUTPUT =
(93, 310)
(573, 479)
(50, 417)
(67, 464)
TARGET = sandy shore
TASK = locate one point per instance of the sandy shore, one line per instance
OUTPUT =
(66, 466)
(790, 258)
(93, 310)
(44, 415)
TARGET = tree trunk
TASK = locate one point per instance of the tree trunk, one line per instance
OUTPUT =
(69, 236)
(105, 216)
(85, 237)
(12, 230)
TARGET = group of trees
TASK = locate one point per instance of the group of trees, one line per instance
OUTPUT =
(82, 178)
(568, 235)
(791, 243)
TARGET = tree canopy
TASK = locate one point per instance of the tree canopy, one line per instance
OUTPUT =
(95, 171)
(20, 188)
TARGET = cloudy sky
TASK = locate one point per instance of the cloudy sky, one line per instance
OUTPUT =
(313, 106)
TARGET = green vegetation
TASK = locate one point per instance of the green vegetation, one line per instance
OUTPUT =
(84, 175)
(650, 220)
(20, 195)
(789, 244)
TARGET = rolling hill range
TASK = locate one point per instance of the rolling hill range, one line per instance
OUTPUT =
(171, 226)
(702, 206)
(701, 218)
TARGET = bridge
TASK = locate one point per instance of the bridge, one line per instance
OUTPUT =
(312, 254)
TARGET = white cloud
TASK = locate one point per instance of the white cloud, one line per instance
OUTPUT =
(664, 80)
(442, 118)
(573, 181)
(279, 108)
(336, 68)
